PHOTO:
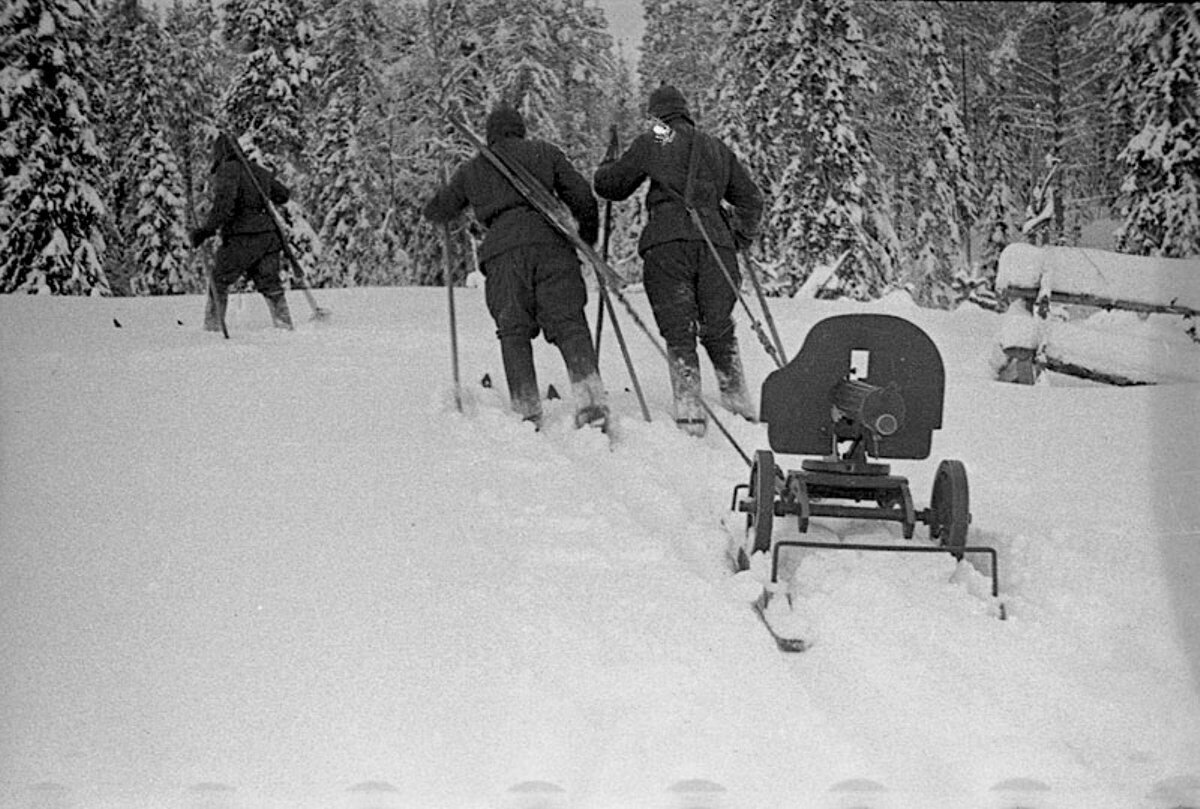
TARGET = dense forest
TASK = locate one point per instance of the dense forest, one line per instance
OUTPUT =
(902, 142)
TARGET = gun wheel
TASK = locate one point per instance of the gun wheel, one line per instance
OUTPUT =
(760, 520)
(950, 506)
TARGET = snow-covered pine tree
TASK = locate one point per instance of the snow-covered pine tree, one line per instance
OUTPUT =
(345, 150)
(943, 172)
(148, 248)
(1160, 46)
(51, 212)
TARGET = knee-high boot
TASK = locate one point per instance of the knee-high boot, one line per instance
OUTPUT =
(519, 371)
(690, 415)
(731, 378)
(277, 303)
(214, 309)
(591, 400)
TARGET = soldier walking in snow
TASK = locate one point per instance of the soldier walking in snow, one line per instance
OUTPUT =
(250, 242)
(532, 276)
(690, 294)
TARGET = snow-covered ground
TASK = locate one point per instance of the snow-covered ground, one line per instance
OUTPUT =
(282, 571)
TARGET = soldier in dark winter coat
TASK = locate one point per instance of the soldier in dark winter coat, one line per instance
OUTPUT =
(250, 242)
(532, 276)
(690, 294)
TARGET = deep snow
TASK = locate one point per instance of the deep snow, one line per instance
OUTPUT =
(280, 569)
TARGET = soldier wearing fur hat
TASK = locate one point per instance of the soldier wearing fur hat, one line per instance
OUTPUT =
(533, 282)
(250, 243)
(690, 294)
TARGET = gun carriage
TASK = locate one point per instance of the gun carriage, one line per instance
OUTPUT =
(863, 387)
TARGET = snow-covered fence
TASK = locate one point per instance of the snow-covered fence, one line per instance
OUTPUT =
(1109, 317)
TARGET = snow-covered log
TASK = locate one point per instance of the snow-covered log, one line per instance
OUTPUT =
(1116, 346)
(1100, 278)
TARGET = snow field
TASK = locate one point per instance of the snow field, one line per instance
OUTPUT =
(284, 563)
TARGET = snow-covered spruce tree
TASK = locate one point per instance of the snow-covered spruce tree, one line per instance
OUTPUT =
(943, 173)
(345, 148)
(158, 237)
(791, 70)
(1160, 45)
(51, 213)
(550, 59)
(1060, 91)
(680, 47)
(266, 103)
(148, 247)
(751, 116)
(195, 67)
(275, 77)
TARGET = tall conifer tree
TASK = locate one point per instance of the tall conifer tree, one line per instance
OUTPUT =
(144, 187)
(51, 212)
(1161, 192)
(943, 172)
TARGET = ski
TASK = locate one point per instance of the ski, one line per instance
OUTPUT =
(785, 643)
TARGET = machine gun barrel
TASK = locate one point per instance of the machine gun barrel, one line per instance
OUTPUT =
(880, 410)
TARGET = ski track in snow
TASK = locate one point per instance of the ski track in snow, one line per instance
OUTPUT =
(285, 563)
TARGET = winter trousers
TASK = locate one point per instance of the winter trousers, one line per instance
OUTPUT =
(255, 256)
(692, 299)
(539, 289)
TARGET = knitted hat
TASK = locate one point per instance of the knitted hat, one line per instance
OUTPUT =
(666, 103)
(504, 122)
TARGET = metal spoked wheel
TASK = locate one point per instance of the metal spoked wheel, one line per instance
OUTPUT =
(950, 506)
(760, 520)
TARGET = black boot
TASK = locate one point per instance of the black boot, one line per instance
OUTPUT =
(278, 306)
(517, 354)
(214, 309)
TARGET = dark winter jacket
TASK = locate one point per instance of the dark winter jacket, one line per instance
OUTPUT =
(237, 206)
(664, 159)
(511, 221)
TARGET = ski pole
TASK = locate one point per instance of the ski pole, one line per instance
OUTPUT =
(448, 280)
(614, 146)
(774, 350)
(599, 279)
(766, 310)
(210, 275)
(298, 270)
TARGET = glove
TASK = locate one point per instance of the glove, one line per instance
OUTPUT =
(198, 236)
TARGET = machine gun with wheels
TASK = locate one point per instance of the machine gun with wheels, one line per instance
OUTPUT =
(863, 387)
